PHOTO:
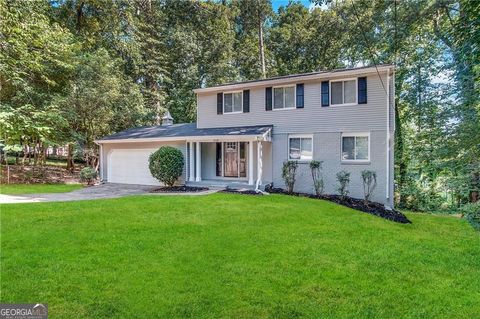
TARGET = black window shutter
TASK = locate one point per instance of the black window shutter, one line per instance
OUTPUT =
(268, 99)
(220, 103)
(300, 96)
(362, 90)
(325, 93)
(246, 101)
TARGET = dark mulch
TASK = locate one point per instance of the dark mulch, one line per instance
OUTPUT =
(179, 189)
(372, 208)
(240, 191)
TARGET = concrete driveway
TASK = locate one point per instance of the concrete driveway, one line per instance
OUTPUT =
(93, 192)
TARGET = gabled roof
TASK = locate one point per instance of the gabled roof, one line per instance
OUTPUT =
(295, 77)
(183, 131)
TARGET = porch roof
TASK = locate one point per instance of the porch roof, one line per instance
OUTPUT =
(185, 131)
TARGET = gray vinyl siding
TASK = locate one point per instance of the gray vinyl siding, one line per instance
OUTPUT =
(312, 118)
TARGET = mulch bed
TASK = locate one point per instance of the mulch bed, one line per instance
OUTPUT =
(372, 208)
(179, 189)
(240, 191)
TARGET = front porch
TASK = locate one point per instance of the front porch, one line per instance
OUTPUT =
(229, 161)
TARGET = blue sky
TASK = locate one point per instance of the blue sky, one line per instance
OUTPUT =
(277, 3)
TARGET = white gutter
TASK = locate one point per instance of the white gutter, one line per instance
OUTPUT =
(295, 78)
(388, 136)
(207, 138)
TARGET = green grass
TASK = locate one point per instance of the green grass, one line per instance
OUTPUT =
(236, 256)
(18, 189)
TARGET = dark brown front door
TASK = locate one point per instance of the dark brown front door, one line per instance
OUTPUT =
(231, 159)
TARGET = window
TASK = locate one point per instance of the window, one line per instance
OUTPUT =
(232, 102)
(343, 92)
(300, 148)
(355, 147)
(284, 97)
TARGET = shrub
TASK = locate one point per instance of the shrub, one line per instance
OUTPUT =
(166, 164)
(317, 176)
(343, 178)
(471, 212)
(369, 179)
(88, 175)
(289, 170)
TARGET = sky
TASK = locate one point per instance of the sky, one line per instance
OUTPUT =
(277, 3)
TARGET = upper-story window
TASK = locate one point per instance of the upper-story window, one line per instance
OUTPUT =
(343, 92)
(232, 102)
(284, 97)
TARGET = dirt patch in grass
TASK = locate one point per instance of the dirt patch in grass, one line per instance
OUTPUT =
(372, 208)
(179, 189)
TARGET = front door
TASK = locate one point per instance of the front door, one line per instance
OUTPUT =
(231, 159)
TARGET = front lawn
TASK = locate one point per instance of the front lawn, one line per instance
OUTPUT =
(18, 189)
(235, 256)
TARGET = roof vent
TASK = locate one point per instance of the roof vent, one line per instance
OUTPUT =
(167, 119)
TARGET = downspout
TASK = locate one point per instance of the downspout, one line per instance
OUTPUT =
(388, 138)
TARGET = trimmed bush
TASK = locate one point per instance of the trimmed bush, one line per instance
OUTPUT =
(343, 178)
(289, 170)
(88, 175)
(317, 176)
(166, 165)
(471, 212)
(369, 179)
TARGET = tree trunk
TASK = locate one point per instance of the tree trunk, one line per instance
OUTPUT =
(260, 44)
(70, 161)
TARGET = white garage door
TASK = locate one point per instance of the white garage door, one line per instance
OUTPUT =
(130, 166)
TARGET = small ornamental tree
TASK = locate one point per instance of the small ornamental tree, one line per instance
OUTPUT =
(88, 175)
(166, 165)
(369, 179)
(289, 171)
(316, 169)
(343, 178)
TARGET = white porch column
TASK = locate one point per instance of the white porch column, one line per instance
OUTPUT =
(191, 163)
(198, 161)
(101, 162)
(250, 163)
(259, 165)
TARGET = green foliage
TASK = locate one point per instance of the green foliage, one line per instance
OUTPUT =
(471, 212)
(166, 164)
(88, 175)
(369, 179)
(343, 178)
(317, 176)
(289, 170)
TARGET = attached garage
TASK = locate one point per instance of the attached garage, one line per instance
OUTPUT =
(130, 166)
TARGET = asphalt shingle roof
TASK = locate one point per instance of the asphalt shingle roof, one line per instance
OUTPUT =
(185, 130)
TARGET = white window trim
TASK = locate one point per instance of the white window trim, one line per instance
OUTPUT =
(290, 136)
(359, 134)
(241, 103)
(343, 91)
(294, 97)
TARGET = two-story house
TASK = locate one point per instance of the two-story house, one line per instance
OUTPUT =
(245, 131)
